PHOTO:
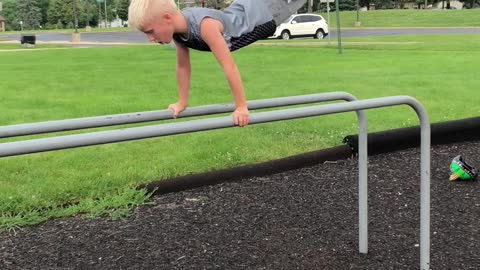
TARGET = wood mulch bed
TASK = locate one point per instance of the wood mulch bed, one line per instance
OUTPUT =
(300, 219)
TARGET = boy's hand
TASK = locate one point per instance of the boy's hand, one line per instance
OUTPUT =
(176, 108)
(241, 116)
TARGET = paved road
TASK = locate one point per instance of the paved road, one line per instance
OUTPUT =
(137, 37)
(130, 37)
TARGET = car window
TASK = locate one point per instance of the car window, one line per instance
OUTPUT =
(300, 19)
(314, 18)
(307, 18)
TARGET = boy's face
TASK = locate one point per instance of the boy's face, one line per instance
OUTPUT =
(160, 30)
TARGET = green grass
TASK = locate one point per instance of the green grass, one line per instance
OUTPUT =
(408, 18)
(440, 71)
(10, 46)
(18, 46)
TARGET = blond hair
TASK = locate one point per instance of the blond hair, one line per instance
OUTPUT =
(141, 12)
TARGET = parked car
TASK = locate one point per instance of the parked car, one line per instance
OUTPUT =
(302, 25)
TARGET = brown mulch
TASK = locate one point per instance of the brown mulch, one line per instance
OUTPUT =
(300, 219)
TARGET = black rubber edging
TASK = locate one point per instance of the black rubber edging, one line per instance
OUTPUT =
(255, 170)
(378, 142)
(403, 138)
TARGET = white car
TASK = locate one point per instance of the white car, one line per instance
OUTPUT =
(302, 25)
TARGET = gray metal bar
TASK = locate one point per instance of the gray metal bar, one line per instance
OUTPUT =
(139, 117)
(362, 183)
(70, 141)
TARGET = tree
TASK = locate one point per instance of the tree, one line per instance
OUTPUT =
(88, 13)
(10, 14)
(60, 13)
(54, 14)
(122, 9)
(29, 13)
(43, 5)
(471, 3)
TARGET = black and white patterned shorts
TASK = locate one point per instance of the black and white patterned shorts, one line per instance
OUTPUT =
(262, 31)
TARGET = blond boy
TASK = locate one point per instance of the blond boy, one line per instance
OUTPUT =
(218, 31)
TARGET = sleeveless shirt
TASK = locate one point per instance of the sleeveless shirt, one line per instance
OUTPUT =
(244, 22)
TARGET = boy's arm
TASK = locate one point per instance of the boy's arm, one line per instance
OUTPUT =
(211, 32)
(183, 79)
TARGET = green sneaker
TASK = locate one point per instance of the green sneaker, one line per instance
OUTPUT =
(461, 169)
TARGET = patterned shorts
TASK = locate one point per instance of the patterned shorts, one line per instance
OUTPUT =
(262, 31)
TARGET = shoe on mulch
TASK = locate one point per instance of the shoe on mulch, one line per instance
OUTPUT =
(460, 169)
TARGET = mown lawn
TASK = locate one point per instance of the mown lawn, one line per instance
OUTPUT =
(408, 18)
(440, 71)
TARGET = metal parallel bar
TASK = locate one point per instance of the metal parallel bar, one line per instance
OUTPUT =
(362, 183)
(70, 141)
(140, 117)
(425, 137)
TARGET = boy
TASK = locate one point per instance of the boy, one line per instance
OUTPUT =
(221, 32)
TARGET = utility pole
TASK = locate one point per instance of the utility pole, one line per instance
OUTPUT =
(106, 17)
(75, 15)
(339, 34)
(357, 23)
(75, 35)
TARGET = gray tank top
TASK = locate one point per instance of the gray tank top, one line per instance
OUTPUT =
(239, 19)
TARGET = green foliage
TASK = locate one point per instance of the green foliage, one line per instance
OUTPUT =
(115, 205)
(43, 5)
(55, 12)
(88, 13)
(29, 14)
(60, 13)
(122, 9)
(471, 3)
(10, 14)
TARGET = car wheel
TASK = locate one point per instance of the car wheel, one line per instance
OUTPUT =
(285, 35)
(319, 34)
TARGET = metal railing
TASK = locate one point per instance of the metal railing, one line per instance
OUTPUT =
(111, 136)
(139, 117)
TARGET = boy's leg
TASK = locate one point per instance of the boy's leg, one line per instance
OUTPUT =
(282, 9)
(262, 31)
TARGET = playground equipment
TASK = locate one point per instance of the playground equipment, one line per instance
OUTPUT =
(136, 133)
